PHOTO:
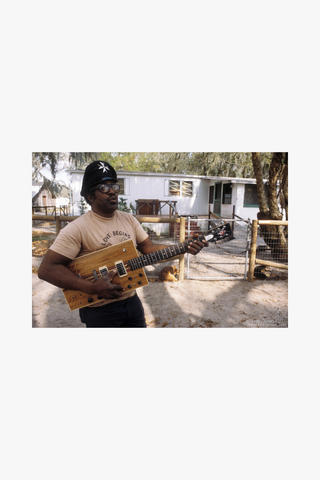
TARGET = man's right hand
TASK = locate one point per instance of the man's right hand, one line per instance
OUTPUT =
(105, 289)
(53, 269)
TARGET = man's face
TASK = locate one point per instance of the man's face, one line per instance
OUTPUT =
(104, 203)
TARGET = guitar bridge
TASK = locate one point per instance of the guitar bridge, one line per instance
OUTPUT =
(122, 272)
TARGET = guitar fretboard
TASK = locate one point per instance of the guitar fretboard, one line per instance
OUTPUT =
(160, 255)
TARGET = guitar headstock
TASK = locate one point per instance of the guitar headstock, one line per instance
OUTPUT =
(219, 232)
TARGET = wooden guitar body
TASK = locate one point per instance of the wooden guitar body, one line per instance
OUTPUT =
(124, 259)
(92, 266)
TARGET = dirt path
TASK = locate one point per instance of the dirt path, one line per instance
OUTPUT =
(192, 303)
(187, 304)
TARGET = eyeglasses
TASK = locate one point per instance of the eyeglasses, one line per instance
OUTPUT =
(105, 188)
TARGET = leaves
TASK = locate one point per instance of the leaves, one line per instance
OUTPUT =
(228, 164)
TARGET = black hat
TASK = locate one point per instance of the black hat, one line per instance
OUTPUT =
(96, 173)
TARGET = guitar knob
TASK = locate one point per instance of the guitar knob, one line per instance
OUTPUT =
(139, 283)
(90, 300)
(130, 278)
(140, 275)
(129, 286)
(99, 297)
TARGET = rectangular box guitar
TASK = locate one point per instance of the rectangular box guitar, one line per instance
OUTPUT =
(124, 259)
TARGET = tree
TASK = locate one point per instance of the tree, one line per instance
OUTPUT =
(82, 159)
(43, 159)
(121, 161)
(57, 161)
(227, 164)
(202, 162)
(149, 162)
(173, 162)
(46, 159)
(274, 235)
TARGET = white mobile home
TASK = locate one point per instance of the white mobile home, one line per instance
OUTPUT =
(189, 194)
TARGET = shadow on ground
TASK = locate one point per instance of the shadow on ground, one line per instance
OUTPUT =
(188, 304)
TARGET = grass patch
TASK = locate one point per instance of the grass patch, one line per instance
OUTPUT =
(35, 238)
(40, 235)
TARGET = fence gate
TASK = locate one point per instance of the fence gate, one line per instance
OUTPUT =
(225, 259)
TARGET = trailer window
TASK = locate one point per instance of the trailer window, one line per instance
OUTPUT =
(187, 189)
(174, 187)
(183, 188)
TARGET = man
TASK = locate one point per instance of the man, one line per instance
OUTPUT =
(104, 225)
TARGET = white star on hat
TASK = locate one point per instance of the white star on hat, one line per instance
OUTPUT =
(103, 167)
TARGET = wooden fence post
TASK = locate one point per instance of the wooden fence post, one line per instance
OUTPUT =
(182, 239)
(253, 249)
(58, 225)
(233, 213)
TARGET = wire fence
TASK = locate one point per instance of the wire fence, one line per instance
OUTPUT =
(272, 244)
(250, 250)
(269, 250)
(225, 259)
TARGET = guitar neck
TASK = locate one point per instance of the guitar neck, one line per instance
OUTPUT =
(160, 255)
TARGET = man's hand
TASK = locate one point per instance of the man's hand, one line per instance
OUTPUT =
(54, 270)
(105, 289)
(196, 246)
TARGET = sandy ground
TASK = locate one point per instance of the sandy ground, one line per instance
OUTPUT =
(188, 304)
(182, 304)
(191, 303)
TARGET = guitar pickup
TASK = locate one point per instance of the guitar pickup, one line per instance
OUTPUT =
(103, 270)
(122, 272)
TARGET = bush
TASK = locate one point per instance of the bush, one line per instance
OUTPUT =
(123, 207)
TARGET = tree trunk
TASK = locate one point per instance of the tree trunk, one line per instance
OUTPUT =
(274, 236)
(256, 162)
(276, 168)
(284, 184)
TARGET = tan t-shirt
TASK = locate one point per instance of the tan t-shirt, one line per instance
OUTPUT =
(91, 232)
